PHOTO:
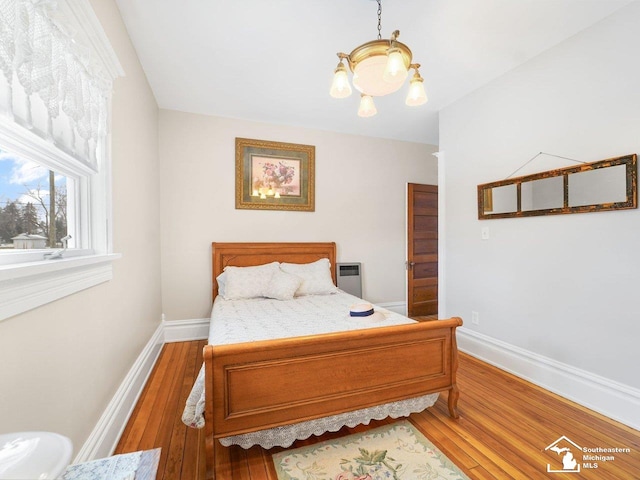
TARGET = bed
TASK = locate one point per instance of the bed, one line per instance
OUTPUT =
(270, 384)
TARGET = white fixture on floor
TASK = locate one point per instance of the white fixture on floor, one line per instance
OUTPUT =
(36, 455)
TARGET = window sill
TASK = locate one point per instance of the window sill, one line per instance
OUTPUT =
(25, 286)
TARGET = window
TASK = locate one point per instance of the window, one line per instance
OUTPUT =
(33, 206)
(54, 153)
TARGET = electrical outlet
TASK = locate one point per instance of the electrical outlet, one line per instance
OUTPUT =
(475, 318)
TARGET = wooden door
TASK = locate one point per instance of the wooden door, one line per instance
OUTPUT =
(422, 251)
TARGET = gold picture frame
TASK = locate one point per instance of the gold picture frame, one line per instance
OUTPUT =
(488, 200)
(274, 175)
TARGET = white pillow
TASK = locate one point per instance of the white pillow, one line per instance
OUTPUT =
(248, 282)
(222, 281)
(283, 286)
(316, 277)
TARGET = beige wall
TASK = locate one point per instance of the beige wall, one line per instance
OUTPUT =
(61, 364)
(360, 203)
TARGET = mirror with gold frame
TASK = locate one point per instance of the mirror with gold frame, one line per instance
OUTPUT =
(590, 187)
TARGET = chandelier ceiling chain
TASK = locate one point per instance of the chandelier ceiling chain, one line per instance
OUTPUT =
(379, 19)
(379, 68)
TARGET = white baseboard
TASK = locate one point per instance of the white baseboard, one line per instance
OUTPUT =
(105, 436)
(186, 330)
(397, 307)
(612, 399)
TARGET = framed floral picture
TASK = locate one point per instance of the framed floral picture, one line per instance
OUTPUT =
(274, 175)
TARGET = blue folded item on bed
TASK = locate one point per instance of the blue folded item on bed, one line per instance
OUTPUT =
(361, 314)
(361, 310)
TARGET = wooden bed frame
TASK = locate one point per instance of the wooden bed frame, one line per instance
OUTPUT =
(258, 385)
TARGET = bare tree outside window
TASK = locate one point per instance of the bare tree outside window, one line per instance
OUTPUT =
(51, 205)
(33, 205)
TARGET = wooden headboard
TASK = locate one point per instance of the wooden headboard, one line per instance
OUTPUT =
(249, 254)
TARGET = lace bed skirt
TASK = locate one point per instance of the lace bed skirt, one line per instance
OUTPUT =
(284, 436)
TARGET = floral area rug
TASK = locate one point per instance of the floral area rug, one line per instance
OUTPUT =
(397, 451)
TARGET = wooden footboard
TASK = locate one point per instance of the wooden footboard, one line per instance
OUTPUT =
(259, 385)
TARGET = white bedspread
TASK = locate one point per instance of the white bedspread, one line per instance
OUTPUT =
(235, 321)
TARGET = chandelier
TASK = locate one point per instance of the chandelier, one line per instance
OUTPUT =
(379, 68)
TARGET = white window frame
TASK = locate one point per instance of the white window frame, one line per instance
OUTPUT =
(27, 279)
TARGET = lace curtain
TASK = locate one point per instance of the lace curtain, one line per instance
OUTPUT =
(52, 84)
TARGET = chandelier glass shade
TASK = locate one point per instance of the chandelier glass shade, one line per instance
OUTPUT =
(379, 67)
(340, 87)
(367, 107)
(417, 95)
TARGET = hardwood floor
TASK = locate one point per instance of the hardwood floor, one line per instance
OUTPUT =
(504, 427)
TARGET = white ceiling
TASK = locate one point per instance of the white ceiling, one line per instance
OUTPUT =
(273, 61)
